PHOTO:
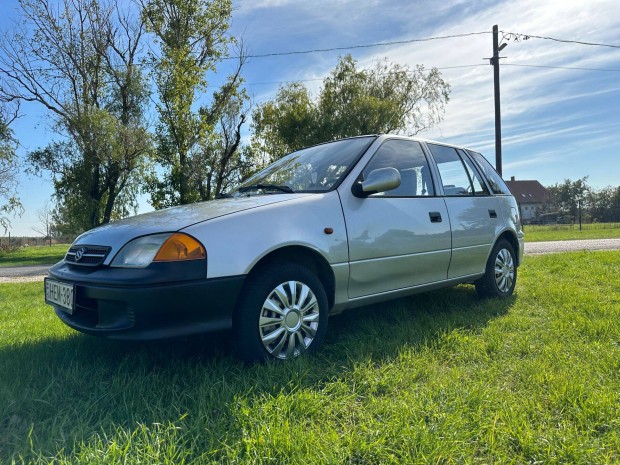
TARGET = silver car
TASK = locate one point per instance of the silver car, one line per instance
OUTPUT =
(327, 228)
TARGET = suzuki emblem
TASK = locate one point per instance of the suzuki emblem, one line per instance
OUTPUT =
(79, 253)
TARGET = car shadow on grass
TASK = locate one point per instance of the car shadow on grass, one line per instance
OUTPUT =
(60, 392)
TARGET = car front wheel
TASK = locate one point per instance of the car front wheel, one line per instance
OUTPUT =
(281, 315)
(500, 276)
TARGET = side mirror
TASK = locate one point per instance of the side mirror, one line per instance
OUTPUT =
(379, 180)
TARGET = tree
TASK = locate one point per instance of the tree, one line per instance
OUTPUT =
(9, 203)
(568, 196)
(384, 98)
(219, 162)
(604, 204)
(79, 60)
(191, 142)
(46, 222)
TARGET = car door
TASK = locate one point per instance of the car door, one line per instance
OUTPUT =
(399, 238)
(475, 215)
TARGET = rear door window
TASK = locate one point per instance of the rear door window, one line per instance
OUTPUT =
(458, 178)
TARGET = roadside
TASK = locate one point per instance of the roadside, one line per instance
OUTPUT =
(23, 273)
(571, 232)
(32, 255)
(535, 248)
(30, 273)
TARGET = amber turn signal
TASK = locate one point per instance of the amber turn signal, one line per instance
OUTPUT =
(180, 247)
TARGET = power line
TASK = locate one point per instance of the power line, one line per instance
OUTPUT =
(521, 65)
(317, 50)
(516, 35)
(562, 67)
(353, 47)
(425, 39)
(520, 35)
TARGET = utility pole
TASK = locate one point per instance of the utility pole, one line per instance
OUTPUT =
(498, 116)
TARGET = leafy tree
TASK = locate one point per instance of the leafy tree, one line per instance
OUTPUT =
(567, 196)
(604, 204)
(70, 177)
(78, 59)
(9, 203)
(194, 144)
(385, 98)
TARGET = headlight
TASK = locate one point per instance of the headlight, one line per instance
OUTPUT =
(166, 247)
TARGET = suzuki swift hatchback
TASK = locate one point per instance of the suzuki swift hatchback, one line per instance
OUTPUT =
(324, 229)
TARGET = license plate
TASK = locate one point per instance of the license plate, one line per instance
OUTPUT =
(60, 294)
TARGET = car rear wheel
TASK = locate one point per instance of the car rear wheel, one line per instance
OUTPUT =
(281, 315)
(500, 276)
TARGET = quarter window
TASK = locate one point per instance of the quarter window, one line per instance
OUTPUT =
(409, 159)
(479, 187)
(497, 184)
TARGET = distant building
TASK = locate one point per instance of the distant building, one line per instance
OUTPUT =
(531, 197)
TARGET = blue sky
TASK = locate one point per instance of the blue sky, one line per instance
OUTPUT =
(557, 123)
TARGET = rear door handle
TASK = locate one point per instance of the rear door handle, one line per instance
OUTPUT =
(435, 217)
(492, 213)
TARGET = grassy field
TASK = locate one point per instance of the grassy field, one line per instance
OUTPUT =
(436, 378)
(567, 232)
(34, 255)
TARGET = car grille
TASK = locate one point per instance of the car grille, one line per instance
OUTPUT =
(86, 255)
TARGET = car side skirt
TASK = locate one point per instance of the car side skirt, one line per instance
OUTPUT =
(404, 292)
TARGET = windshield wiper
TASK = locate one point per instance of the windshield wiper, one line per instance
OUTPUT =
(273, 187)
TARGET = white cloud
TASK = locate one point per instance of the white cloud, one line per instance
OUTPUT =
(534, 100)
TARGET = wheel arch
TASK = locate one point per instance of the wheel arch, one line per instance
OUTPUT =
(304, 256)
(511, 238)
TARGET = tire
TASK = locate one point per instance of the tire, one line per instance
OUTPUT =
(500, 275)
(281, 314)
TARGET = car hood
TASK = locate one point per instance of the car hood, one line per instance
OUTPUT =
(118, 233)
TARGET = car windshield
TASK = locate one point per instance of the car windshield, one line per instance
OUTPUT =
(314, 169)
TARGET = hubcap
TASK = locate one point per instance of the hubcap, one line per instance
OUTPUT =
(504, 270)
(289, 320)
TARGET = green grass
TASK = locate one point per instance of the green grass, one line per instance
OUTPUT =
(437, 378)
(34, 255)
(567, 232)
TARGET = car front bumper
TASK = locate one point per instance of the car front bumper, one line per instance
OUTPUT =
(142, 311)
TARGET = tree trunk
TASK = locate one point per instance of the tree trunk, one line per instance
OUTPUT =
(183, 184)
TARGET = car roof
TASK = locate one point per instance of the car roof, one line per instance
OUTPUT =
(420, 139)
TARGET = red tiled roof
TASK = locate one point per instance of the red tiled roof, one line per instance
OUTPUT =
(529, 191)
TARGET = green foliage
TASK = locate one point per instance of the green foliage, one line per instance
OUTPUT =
(567, 195)
(385, 98)
(87, 78)
(194, 146)
(72, 177)
(604, 204)
(9, 203)
(442, 377)
(597, 205)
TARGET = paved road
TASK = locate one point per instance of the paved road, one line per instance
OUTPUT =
(23, 273)
(36, 273)
(533, 248)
